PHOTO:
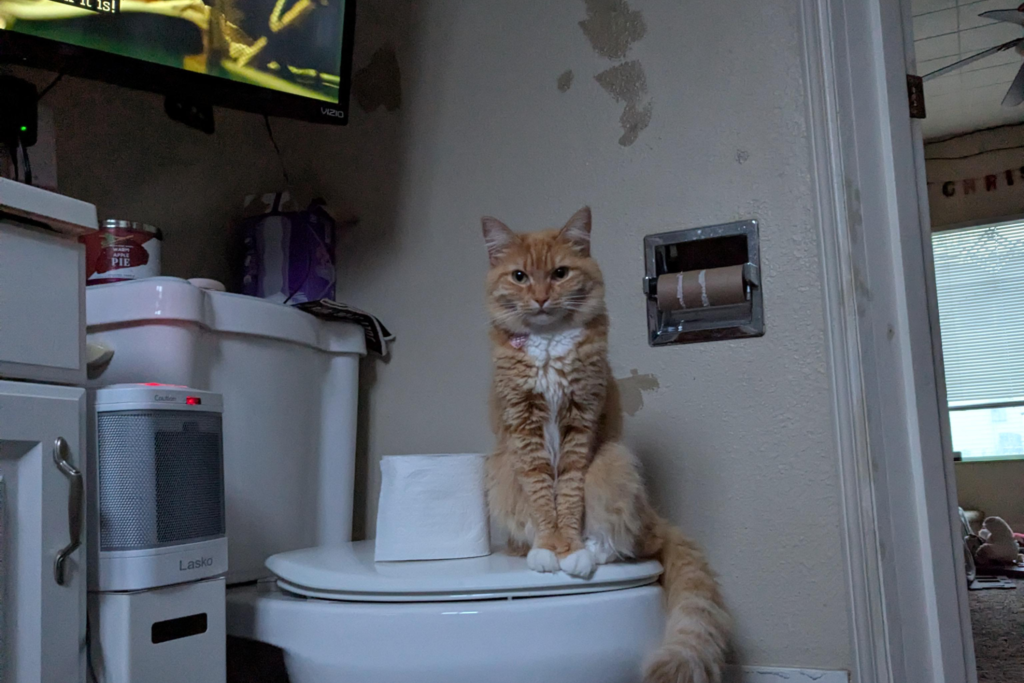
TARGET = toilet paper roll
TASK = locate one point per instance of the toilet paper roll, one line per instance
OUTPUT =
(432, 507)
(701, 288)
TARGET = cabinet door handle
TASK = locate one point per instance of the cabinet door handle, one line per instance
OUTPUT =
(61, 451)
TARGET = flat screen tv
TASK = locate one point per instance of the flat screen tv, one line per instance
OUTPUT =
(289, 58)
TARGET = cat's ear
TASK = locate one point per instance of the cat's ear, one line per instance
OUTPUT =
(577, 231)
(498, 237)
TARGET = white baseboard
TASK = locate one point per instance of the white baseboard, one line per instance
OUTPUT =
(767, 674)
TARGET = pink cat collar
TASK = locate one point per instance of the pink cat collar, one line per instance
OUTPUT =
(518, 340)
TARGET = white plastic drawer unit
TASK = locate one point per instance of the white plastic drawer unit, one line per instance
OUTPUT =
(42, 559)
(42, 284)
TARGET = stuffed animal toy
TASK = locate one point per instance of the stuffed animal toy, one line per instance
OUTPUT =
(999, 545)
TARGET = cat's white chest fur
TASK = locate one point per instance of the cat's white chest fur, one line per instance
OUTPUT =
(551, 354)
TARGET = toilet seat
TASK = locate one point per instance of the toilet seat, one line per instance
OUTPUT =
(349, 573)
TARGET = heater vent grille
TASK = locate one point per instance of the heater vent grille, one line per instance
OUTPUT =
(160, 478)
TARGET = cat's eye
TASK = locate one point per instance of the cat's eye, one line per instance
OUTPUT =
(559, 273)
(519, 276)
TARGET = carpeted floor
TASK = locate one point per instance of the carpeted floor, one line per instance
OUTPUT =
(998, 620)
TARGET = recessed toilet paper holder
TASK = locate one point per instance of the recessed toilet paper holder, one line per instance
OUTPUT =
(704, 284)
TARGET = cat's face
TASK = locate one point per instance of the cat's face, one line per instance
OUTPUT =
(542, 281)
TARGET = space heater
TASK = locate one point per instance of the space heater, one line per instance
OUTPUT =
(157, 494)
(157, 545)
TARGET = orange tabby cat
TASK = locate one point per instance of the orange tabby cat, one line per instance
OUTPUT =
(570, 495)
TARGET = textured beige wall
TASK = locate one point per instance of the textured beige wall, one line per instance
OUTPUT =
(996, 488)
(737, 436)
(983, 186)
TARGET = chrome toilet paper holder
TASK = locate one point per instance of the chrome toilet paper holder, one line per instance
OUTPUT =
(714, 291)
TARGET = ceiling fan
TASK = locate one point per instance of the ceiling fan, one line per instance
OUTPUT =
(1015, 95)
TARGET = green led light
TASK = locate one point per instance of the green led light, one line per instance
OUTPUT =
(24, 129)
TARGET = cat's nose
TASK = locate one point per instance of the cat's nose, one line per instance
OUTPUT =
(541, 303)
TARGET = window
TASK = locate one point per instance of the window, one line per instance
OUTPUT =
(979, 275)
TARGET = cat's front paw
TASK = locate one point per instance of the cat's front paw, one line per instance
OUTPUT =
(580, 564)
(542, 560)
(602, 548)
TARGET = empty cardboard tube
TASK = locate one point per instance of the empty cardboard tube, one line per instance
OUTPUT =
(701, 288)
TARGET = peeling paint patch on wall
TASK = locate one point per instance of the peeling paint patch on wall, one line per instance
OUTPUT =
(565, 80)
(627, 83)
(379, 83)
(612, 27)
(632, 388)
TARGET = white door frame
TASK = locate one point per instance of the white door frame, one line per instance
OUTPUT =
(908, 596)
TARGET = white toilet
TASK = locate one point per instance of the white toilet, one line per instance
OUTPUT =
(290, 385)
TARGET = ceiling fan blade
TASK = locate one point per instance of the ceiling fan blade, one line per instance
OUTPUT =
(1008, 15)
(1015, 95)
(973, 58)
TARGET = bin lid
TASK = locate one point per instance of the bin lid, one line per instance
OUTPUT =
(166, 299)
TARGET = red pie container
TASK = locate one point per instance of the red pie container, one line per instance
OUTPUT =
(121, 250)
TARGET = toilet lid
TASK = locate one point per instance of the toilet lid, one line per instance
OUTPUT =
(349, 573)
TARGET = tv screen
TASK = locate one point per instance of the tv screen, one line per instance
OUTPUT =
(278, 57)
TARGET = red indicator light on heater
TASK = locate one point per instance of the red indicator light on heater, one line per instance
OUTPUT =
(194, 401)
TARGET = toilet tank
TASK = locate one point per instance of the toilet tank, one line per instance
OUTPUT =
(290, 385)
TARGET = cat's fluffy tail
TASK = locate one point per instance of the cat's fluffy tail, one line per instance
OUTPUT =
(697, 629)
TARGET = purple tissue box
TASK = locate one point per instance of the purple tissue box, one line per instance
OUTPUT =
(289, 255)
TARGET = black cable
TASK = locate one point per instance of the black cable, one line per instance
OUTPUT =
(28, 164)
(280, 158)
(12, 153)
(975, 154)
(93, 678)
(48, 88)
(309, 267)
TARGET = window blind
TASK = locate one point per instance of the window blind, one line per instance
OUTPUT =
(979, 275)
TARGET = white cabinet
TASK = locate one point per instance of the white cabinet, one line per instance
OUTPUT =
(42, 284)
(43, 602)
